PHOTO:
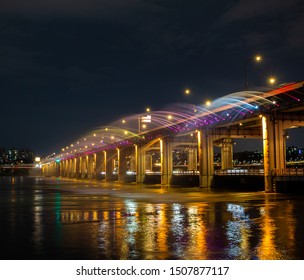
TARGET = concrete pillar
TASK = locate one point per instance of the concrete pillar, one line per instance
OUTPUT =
(66, 167)
(133, 161)
(56, 169)
(46, 170)
(83, 167)
(104, 164)
(99, 165)
(273, 150)
(192, 158)
(66, 173)
(70, 168)
(206, 158)
(52, 170)
(140, 163)
(166, 155)
(227, 153)
(74, 166)
(49, 170)
(126, 156)
(122, 164)
(77, 167)
(64, 164)
(61, 169)
(91, 166)
(110, 164)
(148, 162)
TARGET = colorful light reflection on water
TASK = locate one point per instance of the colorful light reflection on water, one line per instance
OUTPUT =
(68, 220)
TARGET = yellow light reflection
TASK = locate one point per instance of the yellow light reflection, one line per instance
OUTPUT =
(197, 231)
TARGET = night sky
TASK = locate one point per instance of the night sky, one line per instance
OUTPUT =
(68, 66)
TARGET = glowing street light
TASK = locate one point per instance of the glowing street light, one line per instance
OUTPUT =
(187, 91)
(257, 58)
(208, 103)
(272, 80)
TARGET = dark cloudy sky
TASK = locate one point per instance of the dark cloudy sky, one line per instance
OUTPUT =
(67, 66)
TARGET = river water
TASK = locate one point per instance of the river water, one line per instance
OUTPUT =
(65, 219)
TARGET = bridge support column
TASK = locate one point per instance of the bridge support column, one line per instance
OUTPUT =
(51, 169)
(192, 159)
(273, 150)
(78, 167)
(148, 162)
(104, 164)
(73, 170)
(56, 169)
(133, 162)
(66, 168)
(99, 165)
(166, 150)
(227, 154)
(84, 167)
(125, 157)
(110, 164)
(140, 164)
(91, 165)
(122, 165)
(61, 168)
(46, 170)
(206, 158)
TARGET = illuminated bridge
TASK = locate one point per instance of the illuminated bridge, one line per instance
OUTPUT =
(178, 142)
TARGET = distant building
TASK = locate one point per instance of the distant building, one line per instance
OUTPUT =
(16, 156)
(294, 154)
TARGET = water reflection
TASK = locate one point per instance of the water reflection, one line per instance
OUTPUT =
(57, 223)
(238, 232)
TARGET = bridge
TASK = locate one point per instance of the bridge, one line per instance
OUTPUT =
(178, 142)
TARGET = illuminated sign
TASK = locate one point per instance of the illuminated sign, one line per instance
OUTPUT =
(146, 119)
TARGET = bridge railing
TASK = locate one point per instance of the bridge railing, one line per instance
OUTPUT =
(235, 172)
(288, 172)
(175, 172)
(14, 166)
(260, 172)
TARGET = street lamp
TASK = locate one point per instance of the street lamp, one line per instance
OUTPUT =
(187, 91)
(257, 58)
(272, 81)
